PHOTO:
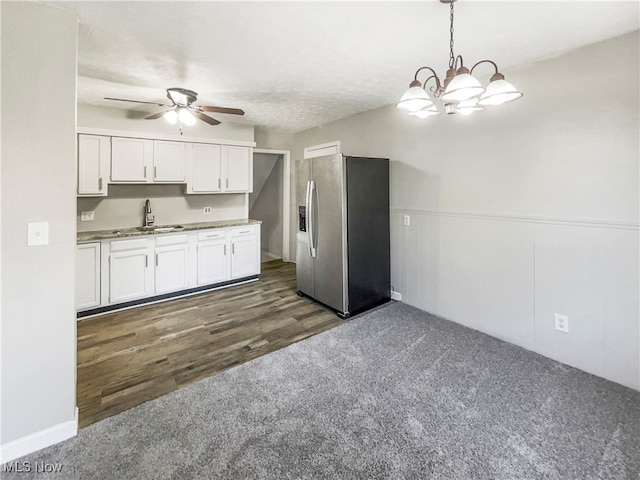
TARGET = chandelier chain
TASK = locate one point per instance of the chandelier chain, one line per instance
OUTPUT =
(451, 55)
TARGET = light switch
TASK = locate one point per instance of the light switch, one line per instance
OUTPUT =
(38, 234)
(86, 216)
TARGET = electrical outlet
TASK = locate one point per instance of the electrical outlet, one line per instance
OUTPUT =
(407, 220)
(562, 322)
(86, 216)
(207, 210)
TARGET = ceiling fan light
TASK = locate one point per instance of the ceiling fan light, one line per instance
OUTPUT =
(462, 87)
(186, 117)
(414, 99)
(171, 116)
(177, 97)
(499, 92)
(425, 112)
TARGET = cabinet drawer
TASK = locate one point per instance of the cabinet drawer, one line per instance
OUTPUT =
(242, 231)
(121, 245)
(163, 240)
(212, 234)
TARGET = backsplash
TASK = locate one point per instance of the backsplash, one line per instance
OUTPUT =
(125, 204)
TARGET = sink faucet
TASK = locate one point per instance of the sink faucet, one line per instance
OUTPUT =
(149, 218)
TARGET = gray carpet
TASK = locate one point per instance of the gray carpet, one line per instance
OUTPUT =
(395, 393)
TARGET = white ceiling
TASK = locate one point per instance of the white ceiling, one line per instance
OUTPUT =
(295, 65)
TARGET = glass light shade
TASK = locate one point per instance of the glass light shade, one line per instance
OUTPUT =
(171, 116)
(178, 97)
(468, 107)
(186, 117)
(414, 99)
(499, 92)
(425, 112)
(462, 87)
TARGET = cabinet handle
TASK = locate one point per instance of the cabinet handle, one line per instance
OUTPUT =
(155, 172)
(100, 184)
(233, 249)
(225, 250)
(219, 183)
(227, 184)
(145, 172)
(245, 231)
(156, 259)
(146, 260)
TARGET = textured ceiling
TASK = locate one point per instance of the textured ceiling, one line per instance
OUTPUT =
(295, 65)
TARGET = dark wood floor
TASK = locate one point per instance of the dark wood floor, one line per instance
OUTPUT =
(129, 357)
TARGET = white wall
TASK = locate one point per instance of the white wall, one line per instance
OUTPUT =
(525, 210)
(38, 341)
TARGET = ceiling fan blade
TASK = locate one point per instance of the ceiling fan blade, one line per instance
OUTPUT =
(156, 115)
(232, 111)
(137, 101)
(206, 118)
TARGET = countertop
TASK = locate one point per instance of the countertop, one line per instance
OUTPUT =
(133, 232)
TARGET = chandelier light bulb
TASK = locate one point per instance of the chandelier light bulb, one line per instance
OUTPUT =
(425, 112)
(464, 86)
(498, 92)
(414, 99)
(467, 107)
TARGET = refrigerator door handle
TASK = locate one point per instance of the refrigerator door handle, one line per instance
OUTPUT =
(311, 187)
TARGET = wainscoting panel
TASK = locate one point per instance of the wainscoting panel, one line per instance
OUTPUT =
(507, 276)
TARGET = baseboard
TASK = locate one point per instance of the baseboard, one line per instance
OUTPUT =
(396, 296)
(270, 255)
(39, 440)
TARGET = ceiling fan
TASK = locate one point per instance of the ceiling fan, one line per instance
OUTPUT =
(181, 108)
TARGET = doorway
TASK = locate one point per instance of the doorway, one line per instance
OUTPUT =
(269, 201)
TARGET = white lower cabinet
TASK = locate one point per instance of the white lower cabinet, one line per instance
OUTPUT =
(171, 263)
(245, 251)
(87, 275)
(136, 268)
(131, 271)
(213, 257)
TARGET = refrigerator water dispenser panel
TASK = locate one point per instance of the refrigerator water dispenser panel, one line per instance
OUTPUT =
(302, 218)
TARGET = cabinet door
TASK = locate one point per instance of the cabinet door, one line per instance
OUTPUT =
(130, 275)
(206, 174)
(168, 161)
(87, 276)
(237, 167)
(245, 256)
(130, 159)
(171, 268)
(94, 154)
(213, 261)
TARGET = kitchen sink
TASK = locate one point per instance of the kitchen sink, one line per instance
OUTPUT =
(160, 228)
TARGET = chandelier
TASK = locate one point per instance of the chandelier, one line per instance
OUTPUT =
(460, 92)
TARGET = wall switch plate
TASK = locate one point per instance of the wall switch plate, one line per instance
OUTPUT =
(562, 322)
(207, 210)
(406, 220)
(37, 234)
(86, 216)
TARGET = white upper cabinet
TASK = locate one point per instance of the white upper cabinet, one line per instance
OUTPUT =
(237, 168)
(219, 169)
(131, 160)
(206, 168)
(94, 155)
(168, 161)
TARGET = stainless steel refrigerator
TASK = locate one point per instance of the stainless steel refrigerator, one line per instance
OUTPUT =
(342, 256)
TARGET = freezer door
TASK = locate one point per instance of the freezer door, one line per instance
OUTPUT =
(327, 217)
(304, 264)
